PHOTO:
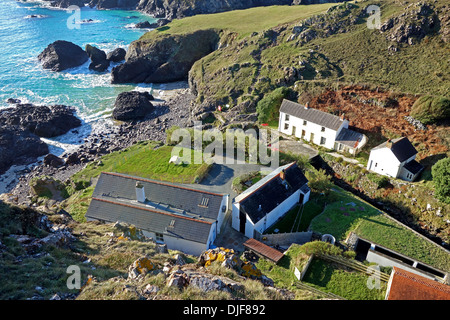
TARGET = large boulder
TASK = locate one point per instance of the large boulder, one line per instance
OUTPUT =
(99, 61)
(62, 55)
(18, 147)
(43, 121)
(159, 58)
(116, 55)
(132, 105)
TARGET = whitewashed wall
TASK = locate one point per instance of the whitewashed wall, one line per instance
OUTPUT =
(329, 134)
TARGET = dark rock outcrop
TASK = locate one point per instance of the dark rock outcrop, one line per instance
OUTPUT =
(43, 121)
(132, 105)
(54, 161)
(99, 61)
(116, 55)
(62, 55)
(164, 58)
(417, 21)
(18, 146)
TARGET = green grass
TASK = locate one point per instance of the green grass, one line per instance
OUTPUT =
(349, 285)
(244, 22)
(369, 223)
(142, 160)
(296, 220)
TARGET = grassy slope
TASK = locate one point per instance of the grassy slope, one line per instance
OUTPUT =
(361, 55)
(366, 221)
(243, 22)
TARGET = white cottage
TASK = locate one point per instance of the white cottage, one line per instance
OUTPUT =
(395, 158)
(321, 128)
(184, 218)
(261, 205)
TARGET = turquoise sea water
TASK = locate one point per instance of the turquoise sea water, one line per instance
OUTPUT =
(23, 38)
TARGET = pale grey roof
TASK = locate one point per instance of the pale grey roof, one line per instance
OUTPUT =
(169, 208)
(349, 137)
(321, 118)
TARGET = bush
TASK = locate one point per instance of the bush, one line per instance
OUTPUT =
(268, 107)
(429, 109)
(319, 181)
(381, 181)
(441, 178)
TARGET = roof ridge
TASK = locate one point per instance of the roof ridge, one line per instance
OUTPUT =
(150, 210)
(161, 183)
(269, 180)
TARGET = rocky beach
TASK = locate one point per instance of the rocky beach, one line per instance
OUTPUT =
(171, 107)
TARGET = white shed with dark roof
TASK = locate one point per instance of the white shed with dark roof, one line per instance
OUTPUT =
(268, 200)
(321, 128)
(186, 219)
(395, 158)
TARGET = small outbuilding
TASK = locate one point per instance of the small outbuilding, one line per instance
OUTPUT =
(395, 158)
(268, 200)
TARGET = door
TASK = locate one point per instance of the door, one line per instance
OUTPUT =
(242, 221)
(302, 198)
(294, 129)
(303, 134)
(370, 166)
(312, 137)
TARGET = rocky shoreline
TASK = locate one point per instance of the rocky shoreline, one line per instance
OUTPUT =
(171, 108)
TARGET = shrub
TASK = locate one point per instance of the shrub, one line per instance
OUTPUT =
(381, 181)
(441, 178)
(429, 109)
(319, 181)
(269, 106)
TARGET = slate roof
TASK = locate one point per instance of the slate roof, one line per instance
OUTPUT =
(410, 286)
(169, 208)
(321, 118)
(414, 167)
(271, 191)
(401, 148)
(349, 137)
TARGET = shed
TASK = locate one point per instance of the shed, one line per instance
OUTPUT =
(263, 250)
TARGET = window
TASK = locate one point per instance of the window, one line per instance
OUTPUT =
(376, 164)
(322, 140)
(323, 129)
(304, 122)
(286, 117)
(286, 126)
(159, 237)
(204, 203)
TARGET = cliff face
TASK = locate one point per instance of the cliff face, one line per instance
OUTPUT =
(164, 58)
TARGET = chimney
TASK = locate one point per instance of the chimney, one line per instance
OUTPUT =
(140, 193)
(307, 105)
(282, 174)
(389, 143)
(343, 117)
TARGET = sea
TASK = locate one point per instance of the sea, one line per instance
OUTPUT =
(27, 28)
